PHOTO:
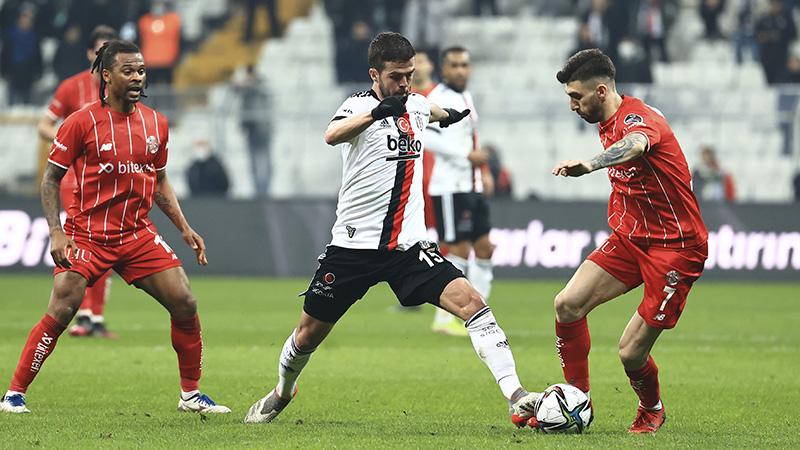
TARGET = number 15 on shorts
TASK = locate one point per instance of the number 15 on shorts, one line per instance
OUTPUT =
(430, 257)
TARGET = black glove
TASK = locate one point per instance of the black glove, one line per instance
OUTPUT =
(453, 117)
(394, 106)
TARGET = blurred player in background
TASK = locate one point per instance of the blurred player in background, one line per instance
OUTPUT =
(658, 236)
(71, 95)
(458, 186)
(379, 234)
(423, 84)
(118, 148)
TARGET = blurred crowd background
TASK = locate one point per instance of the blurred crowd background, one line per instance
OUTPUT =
(249, 85)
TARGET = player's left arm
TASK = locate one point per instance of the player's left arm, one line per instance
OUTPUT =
(446, 116)
(164, 197)
(631, 146)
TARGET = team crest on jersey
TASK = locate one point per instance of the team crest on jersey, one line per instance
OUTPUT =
(403, 125)
(672, 277)
(633, 118)
(152, 144)
(329, 278)
(418, 119)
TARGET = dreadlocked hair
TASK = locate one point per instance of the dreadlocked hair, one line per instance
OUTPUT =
(106, 58)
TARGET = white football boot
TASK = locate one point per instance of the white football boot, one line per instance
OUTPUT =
(201, 403)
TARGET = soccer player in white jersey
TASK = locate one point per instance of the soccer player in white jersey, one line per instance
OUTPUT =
(457, 184)
(379, 234)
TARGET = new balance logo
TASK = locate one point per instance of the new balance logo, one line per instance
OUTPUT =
(106, 168)
(106, 147)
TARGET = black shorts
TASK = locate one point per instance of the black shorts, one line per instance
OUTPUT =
(463, 216)
(417, 275)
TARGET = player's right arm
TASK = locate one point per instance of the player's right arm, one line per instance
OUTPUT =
(631, 146)
(50, 189)
(47, 127)
(55, 110)
(67, 146)
(349, 121)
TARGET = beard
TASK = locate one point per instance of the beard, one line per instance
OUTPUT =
(385, 92)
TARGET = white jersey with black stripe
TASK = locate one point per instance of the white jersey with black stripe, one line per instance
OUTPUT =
(380, 204)
(452, 171)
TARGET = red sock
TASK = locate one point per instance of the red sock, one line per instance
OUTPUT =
(573, 343)
(188, 344)
(41, 342)
(644, 382)
(96, 295)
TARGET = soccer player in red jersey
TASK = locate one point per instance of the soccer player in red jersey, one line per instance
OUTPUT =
(658, 237)
(71, 95)
(118, 149)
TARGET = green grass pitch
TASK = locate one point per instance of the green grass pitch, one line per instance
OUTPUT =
(729, 372)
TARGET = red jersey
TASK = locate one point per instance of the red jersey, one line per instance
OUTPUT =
(73, 94)
(115, 157)
(651, 202)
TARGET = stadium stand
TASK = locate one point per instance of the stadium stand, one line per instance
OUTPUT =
(708, 96)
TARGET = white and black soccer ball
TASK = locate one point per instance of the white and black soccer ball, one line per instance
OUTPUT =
(563, 408)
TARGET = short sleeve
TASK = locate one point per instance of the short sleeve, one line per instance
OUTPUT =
(58, 105)
(163, 146)
(644, 122)
(69, 142)
(352, 106)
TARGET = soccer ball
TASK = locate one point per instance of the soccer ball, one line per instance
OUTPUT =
(563, 408)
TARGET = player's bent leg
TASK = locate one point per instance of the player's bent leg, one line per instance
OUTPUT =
(170, 287)
(589, 287)
(295, 354)
(490, 343)
(444, 322)
(66, 297)
(634, 352)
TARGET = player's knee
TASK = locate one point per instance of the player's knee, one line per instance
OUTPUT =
(464, 298)
(65, 302)
(567, 307)
(184, 306)
(631, 356)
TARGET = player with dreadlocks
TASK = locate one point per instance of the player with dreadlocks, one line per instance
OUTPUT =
(118, 149)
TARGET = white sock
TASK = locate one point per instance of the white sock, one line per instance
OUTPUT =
(10, 393)
(187, 395)
(481, 276)
(97, 318)
(492, 347)
(84, 313)
(290, 364)
(657, 407)
(441, 316)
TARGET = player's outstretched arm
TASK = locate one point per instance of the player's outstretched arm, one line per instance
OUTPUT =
(632, 146)
(446, 116)
(59, 243)
(167, 202)
(343, 129)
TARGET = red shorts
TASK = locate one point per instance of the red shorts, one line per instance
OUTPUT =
(132, 260)
(667, 274)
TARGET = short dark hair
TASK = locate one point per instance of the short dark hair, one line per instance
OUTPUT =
(585, 65)
(106, 57)
(454, 49)
(389, 46)
(101, 33)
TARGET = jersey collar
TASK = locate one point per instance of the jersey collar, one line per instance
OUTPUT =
(614, 116)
